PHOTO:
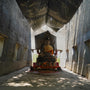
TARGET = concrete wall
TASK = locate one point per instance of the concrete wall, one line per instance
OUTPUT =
(78, 40)
(15, 29)
(61, 35)
(32, 39)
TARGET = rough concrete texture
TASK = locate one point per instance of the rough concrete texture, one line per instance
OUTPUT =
(61, 45)
(54, 13)
(16, 30)
(78, 40)
(24, 80)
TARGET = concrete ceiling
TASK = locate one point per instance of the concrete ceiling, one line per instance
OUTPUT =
(53, 13)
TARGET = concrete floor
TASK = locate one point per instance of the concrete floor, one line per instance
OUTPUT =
(64, 80)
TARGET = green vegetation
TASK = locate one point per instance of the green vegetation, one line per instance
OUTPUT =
(58, 60)
(35, 57)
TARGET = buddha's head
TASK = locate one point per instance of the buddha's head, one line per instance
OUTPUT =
(47, 41)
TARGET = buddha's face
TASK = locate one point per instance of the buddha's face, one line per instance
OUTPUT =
(47, 42)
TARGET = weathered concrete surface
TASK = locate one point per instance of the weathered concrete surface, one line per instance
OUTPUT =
(54, 13)
(61, 45)
(15, 27)
(65, 80)
(78, 40)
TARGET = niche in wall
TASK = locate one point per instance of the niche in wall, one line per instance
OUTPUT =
(86, 64)
(87, 52)
(74, 58)
(17, 46)
(87, 48)
(67, 53)
(25, 52)
(1, 45)
(40, 39)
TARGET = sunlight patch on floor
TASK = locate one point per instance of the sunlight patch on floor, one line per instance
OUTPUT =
(19, 84)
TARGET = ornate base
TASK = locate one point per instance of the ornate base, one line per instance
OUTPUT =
(46, 68)
(45, 71)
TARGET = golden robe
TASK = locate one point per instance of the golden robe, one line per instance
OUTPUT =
(48, 48)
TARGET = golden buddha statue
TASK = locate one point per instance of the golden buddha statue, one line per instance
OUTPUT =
(46, 54)
(47, 47)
